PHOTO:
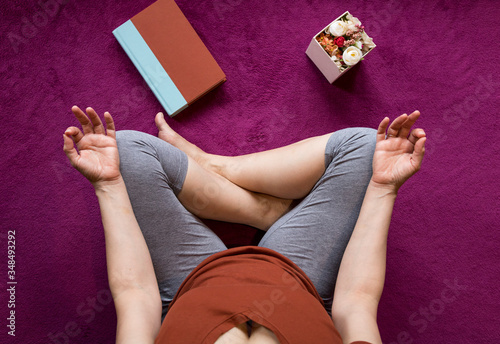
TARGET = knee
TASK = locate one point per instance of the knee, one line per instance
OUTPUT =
(133, 147)
(356, 143)
(129, 138)
(144, 155)
(132, 142)
(364, 138)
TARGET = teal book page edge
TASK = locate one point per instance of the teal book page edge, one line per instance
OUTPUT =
(150, 68)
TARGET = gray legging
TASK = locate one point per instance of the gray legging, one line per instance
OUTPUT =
(314, 234)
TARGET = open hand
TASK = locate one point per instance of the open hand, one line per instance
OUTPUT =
(398, 155)
(97, 156)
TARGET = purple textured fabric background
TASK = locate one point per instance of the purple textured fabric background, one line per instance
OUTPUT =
(440, 57)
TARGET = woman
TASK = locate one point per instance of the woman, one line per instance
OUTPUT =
(316, 276)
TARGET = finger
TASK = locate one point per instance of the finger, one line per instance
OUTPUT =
(405, 129)
(83, 119)
(69, 149)
(110, 125)
(418, 152)
(415, 135)
(382, 128)
(75, 133)
(396, 125)
(96, 121)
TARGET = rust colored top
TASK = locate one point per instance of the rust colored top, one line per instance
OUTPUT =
(247, 283)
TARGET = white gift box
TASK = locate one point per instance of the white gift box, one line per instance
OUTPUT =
(323, 60)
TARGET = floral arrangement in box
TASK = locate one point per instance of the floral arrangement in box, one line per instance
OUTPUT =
(345, 41)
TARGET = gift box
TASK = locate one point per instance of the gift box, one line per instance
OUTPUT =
(339, 46)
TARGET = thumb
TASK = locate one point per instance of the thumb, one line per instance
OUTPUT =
(418, 152)
(69, 149)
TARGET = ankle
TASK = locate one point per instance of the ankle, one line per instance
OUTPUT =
(271, 209)
(220, 165)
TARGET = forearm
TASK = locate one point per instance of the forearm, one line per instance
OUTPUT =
(362, 271)
(128, 259)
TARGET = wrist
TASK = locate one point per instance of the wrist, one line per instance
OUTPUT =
(109, 185)
(383, 189)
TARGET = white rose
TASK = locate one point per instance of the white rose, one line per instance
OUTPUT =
(351, 24)
(358, 44)
(352, 55)
(338, 28)
(367, 41)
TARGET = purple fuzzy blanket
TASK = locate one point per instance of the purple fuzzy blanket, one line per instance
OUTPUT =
(440, 57)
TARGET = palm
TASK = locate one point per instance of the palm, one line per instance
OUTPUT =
(98, 160)
(392, 162)
(397, 156)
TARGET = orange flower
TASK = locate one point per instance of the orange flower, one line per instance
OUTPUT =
(327, 42)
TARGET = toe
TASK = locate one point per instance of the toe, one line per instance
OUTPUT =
(160, 120)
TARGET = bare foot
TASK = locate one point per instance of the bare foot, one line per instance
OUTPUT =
(206, 160)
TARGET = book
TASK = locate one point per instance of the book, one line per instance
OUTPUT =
(170, 55)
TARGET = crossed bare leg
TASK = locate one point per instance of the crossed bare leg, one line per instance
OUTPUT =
(254, 189)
